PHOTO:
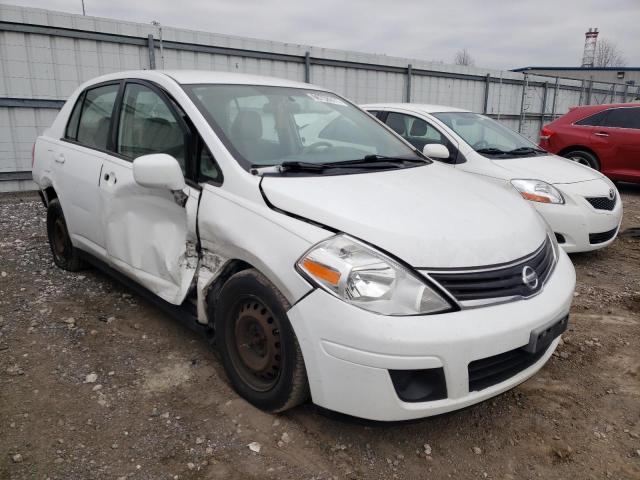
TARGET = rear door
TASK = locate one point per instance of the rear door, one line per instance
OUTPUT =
(617, 140)
(150, 234)
(78, 159)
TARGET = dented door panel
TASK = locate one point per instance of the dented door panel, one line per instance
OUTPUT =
(150, 234)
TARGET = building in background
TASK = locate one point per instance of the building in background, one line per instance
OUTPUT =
(621, 75)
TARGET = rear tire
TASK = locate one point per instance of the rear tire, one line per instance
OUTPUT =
(257, 345)
(584, 158)
(65, 255)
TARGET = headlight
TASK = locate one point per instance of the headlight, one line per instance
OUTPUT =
(537, 191)
(366, 278)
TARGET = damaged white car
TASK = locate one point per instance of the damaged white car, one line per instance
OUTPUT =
(325, 256)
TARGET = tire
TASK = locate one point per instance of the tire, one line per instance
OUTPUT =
(65, 255)
(584, 158)
(258, 348)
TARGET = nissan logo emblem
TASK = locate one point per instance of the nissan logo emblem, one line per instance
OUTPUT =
(530, 277)
(612, 194)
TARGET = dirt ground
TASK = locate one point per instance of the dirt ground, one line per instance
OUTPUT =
(97, 383)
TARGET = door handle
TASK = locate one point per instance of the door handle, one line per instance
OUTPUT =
(601, 134)
(58, 157)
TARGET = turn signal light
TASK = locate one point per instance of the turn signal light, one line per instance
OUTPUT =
(322, 272)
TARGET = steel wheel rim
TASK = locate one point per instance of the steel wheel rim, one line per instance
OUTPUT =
(255, 347)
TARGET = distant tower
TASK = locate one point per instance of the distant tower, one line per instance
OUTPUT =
(590, 39)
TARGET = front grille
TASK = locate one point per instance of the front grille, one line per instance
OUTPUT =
(602, 236)
(499, 281)
(602, 203)
(490, 371)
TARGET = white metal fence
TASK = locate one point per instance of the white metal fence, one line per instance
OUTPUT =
(45, 55)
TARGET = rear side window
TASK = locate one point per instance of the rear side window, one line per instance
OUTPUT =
(147, 125)
(95, 118)
(72, 127)
(594, 120)
(623, 118)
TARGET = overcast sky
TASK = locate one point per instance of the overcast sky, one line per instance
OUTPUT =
(499, 34)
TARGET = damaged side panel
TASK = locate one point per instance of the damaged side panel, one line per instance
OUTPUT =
(150, 234)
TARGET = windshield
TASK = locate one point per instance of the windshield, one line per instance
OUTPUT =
(487, 136)
(263, 125)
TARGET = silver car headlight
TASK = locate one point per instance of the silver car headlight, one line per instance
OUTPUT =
(537, 191)
(362, 276)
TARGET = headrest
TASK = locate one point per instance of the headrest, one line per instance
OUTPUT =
(419, 128)
(396, 122)
(247, 126)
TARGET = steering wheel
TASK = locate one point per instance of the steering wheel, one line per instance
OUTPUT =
(318, 145)
(480, 144)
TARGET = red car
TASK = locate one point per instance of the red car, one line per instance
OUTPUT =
(604, 137)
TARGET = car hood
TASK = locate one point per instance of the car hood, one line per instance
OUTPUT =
(548, 168)
(428, 216)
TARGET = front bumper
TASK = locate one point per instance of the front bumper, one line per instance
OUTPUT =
(348, 352)
(577, 219)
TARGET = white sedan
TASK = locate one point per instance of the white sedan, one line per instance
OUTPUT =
(581, 205)
(323, 255)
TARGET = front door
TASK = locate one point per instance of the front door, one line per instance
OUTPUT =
(150, 234)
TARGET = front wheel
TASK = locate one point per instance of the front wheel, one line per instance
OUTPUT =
(65, 255)
(258, 348)
(584, 158)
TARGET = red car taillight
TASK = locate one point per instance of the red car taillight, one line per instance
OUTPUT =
(545, 134)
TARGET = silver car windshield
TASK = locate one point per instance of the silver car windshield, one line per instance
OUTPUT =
(486, 136)
(264, 125)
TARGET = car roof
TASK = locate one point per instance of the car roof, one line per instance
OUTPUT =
(604, 106)
(185, 77)
(415, 107)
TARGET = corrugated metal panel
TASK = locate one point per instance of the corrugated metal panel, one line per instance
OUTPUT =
(45, 55)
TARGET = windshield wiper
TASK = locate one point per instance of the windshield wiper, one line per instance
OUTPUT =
(491, 151)
(369, 162)
(375, 159)
(525, 151)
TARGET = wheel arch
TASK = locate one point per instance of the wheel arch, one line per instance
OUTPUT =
(574, 148)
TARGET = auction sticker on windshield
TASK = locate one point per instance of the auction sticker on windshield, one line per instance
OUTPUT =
(318, 97)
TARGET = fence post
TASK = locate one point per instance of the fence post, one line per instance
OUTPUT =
(556, 88)
(581, 92)
(409, 74)
(525, 85)
(152, 52)
(543, 110)
(613, 93)
(485, 108)
(589, 92)
(307, 67)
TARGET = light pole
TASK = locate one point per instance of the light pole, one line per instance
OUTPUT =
(83, 12)
(159, 25)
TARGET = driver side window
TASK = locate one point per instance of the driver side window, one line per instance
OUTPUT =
(147, 125)
(419, 133)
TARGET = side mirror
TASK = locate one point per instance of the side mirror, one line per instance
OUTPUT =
(436, 150)
(158, 170)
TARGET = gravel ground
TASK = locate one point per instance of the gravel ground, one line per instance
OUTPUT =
(97, 383)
